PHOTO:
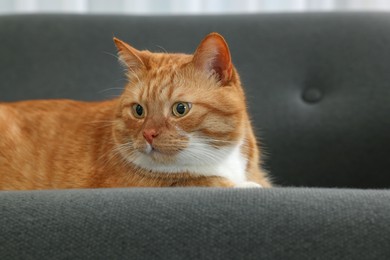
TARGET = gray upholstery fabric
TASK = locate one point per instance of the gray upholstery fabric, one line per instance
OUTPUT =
(318, 84)
(195, 223)
(318, 88)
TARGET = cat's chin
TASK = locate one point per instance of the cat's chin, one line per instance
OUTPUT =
(160, 157)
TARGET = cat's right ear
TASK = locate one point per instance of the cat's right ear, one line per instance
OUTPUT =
(131, 58)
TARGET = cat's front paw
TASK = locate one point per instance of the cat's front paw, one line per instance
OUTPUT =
(248, 184)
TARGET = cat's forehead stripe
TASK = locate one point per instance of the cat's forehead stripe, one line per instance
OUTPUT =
(159, 82)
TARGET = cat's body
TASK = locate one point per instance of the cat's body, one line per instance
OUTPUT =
(181, 121)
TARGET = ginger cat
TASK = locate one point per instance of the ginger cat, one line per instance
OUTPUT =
(181, 121)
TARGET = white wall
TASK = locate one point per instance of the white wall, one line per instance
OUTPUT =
(188, 6)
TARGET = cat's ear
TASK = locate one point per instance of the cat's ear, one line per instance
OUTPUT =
(130, 57)
(213, 57)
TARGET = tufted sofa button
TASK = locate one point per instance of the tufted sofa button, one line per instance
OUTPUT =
(312, 95)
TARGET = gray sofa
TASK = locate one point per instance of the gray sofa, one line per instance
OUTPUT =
(318, 88)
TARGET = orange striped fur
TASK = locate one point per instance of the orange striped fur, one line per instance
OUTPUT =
(181, 121)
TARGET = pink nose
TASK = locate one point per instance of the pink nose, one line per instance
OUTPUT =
(149, 135)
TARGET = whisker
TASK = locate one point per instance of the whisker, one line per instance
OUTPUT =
(162, 48)
(118, 152)
(111, 54)
(101, 121)
(132, 74)
(101, 124)
(108, 89)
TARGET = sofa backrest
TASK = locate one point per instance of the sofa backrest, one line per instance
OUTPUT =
(318, 85)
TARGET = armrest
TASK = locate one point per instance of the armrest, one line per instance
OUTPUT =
(195, 223)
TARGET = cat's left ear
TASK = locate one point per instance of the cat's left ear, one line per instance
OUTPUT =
(130, 57)
(213, 57)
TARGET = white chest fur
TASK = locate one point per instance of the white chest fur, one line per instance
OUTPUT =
(200, 158)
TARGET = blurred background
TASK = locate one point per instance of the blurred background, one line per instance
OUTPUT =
(169, 7)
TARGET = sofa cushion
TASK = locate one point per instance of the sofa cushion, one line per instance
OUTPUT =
(195, 223)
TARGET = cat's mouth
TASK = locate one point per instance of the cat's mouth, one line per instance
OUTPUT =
(159, 155)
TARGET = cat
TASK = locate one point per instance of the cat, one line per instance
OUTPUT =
(180, 121)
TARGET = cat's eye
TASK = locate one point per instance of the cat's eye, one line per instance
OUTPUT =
(181, 109)
(138, 111)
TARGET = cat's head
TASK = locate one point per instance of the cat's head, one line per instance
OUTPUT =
(179, 111)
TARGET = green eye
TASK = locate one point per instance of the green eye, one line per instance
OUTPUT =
(138, 111)
(181, 109)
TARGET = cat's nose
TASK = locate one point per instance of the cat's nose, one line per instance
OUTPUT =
(150, 134)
